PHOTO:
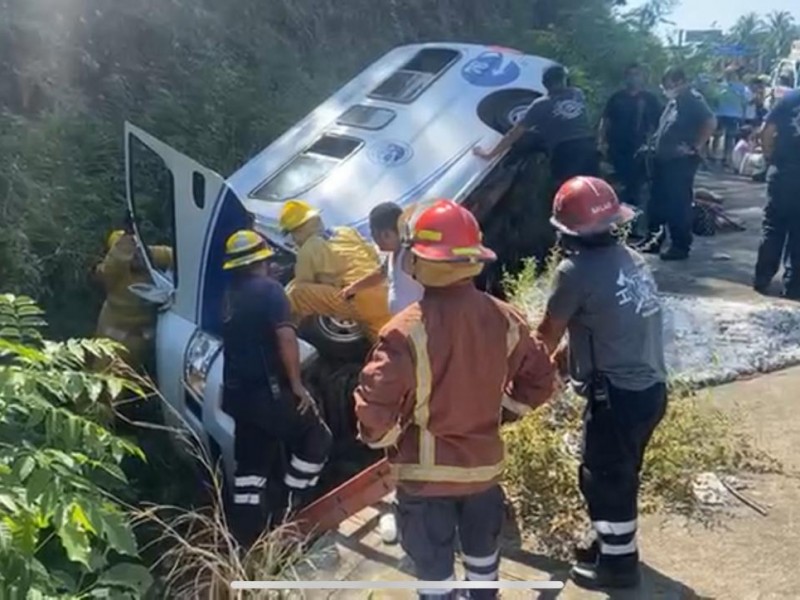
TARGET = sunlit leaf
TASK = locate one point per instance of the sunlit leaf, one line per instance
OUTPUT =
(118, 534)
(74, 539)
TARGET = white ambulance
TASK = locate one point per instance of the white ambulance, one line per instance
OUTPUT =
(403, 130)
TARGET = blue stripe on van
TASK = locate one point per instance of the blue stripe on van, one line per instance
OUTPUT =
(231, 216)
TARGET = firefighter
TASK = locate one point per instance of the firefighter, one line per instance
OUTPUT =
(263, 390)
(329, 260)
(559, 122)
(605, 296)
(432, 392)
(124, 317)
(781, 229)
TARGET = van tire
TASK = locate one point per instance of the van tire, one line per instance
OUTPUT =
(344, 348)
(498, 109)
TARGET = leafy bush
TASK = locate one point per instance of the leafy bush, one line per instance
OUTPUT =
(543, 449)
(61, 531)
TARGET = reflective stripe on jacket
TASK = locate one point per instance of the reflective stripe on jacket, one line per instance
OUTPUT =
(434, 387)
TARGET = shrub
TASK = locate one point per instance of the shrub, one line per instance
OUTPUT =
(62, 533)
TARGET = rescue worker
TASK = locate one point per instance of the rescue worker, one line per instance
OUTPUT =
(605, 296)
(329, 260)
(263, 390)
(629, 119)
(404, 290)
(124, 317)
(684, 129)
(560, 121)
(780, 138)
(432, 392)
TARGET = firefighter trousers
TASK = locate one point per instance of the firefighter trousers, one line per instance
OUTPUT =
(430, 528)
(615, 436)
(276, 449)
(781, 232)
(369, 308)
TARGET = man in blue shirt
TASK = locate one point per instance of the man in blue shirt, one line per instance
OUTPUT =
(780, 138)
(731, 110)
(263, 390)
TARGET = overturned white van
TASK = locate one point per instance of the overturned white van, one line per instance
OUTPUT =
(403, 131)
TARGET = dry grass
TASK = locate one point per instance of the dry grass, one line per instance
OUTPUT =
(543, 450)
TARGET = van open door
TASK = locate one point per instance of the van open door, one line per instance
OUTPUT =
(173, 200)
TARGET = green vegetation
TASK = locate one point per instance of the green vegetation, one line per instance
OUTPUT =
(543, 450)
(62, 532)
(217, 81)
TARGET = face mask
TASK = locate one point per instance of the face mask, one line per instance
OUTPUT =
(671, 94)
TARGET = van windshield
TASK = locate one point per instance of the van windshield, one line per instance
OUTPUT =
(307, 169)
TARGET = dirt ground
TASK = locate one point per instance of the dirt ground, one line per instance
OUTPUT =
(745, 555)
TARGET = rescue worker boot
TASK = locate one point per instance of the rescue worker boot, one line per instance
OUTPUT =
(607, 574)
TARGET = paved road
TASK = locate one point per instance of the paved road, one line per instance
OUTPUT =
(721, 265)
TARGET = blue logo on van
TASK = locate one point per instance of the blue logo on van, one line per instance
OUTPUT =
(491, 69)
(390, 153)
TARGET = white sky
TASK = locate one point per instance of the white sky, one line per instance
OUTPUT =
(701, 14)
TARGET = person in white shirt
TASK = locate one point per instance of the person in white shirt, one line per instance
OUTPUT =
(404, 290)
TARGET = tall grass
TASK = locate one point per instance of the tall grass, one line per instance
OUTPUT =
(543, 449)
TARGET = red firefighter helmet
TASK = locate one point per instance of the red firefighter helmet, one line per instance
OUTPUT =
(588, 205)
(447, 232)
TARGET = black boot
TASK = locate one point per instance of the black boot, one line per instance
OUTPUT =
(586, 553)
(674, 254)
(599, 576)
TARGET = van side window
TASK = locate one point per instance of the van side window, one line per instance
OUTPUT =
(308, 168)
(153, 198)
(407, 83)
(366, 117)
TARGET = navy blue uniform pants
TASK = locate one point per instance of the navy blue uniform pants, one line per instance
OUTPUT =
(615, 437)
(781, 232)
(277, 451)
(430, 528)
(671, 199)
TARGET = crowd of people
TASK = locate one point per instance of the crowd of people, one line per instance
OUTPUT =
(448, 360)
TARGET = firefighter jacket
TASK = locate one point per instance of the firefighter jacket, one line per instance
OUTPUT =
(337, 257)
(433, 389)
(125, 317)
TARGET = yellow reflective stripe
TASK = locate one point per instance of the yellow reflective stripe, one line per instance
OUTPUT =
(388, 440)
(428, 235)
(518, 408)
(512, 337)
(445, 474)
(466, 251)
(427, 444)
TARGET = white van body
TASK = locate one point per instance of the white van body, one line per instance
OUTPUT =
(403, 130)
(789, 66)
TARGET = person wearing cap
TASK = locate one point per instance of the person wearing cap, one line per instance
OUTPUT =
(328, 261)
(604, 295)
(432, 392)
(263, 391)
(558, 122)
(124, 317)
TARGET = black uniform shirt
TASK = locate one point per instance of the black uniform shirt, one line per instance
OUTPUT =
(254, 309)
(681, 123)
(785, 116)
(559, 117)
(630, 119)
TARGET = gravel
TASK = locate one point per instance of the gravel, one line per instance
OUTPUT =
(711, 341)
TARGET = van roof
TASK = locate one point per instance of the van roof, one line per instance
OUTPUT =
(342, 147)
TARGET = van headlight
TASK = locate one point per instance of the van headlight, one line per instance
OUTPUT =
(200, 354)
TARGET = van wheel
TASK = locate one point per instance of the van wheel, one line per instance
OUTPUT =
(334, 338)
(502, 110)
